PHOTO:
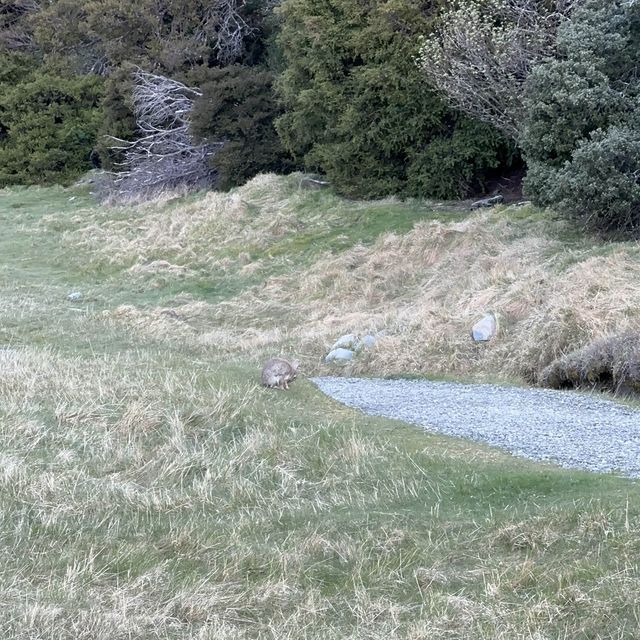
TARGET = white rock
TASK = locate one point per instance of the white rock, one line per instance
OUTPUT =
(369, 341)
(340, 355)
(76, 296)
(485, 329)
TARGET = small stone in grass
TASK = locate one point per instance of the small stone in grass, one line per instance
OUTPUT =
(485, 329)
(340, 355)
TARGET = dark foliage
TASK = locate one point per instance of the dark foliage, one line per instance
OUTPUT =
(358, 109)
(48, 124)
(582, 133)
(238, 107)
(118, 119)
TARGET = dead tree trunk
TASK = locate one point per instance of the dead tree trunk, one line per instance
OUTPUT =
(165, 156)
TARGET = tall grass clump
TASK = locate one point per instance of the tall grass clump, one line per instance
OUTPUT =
(608, 364)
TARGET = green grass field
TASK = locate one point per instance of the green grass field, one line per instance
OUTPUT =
(150, 488)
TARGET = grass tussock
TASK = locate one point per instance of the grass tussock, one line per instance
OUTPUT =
(609, 364)
(150, 488)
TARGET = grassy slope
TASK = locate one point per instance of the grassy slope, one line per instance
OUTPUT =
(150, 488)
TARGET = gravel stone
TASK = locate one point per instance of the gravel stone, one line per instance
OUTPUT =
(573, 430)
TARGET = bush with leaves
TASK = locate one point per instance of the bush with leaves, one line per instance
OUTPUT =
(358, 109)
(581, 132)
(170, 36)
(600, 186)
(118, 117)
(238, 107)
(480, 53)
(48, 124)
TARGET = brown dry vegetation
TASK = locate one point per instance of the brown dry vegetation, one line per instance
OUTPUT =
(608, 364)
(424, 288)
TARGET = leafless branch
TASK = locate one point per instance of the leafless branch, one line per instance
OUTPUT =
(14, 33)
(221, 26)
(483, 52)
(231, 29)
(16, 40)
(165, 156)
(17, 8)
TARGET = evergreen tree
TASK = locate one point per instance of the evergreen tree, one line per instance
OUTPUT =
(118, 119)
(238, 107)
(358, 109)
(581, 132)
(48, 123)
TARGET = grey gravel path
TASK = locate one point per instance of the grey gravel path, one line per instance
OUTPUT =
(570, 429)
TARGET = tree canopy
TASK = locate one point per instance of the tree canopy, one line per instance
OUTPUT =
(414, 98)
(358, 109)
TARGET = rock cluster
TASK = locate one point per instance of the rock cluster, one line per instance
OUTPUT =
(348, 346)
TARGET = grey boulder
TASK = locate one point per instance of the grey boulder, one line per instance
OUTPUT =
(485, 329)
(340, 355)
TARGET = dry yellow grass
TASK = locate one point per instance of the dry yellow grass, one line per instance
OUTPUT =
(424, 288)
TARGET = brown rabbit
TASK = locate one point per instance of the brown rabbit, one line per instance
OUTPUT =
(278, 373)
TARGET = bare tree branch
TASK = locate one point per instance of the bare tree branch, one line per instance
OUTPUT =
(14, 32)
(482, 53)
(220, 26)
(231, 30)
(165, 156)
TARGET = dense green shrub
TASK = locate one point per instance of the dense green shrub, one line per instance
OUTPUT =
(48, 126)
(459, 163)
(118, 119)
(357, 107)
(353, 103)
(600, 185)
(238, 107)
(580, 137)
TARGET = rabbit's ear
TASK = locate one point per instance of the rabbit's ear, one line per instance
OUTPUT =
(295, 364)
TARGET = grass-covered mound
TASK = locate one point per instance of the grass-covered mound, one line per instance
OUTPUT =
(272, 266)
(609, 364)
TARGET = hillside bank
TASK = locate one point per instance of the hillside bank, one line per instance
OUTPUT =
(273, 267)
(149, 487)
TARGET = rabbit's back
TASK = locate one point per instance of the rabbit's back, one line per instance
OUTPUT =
(277, 372)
